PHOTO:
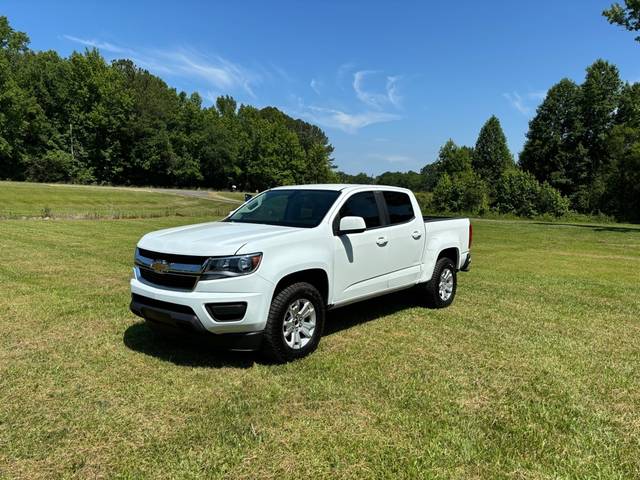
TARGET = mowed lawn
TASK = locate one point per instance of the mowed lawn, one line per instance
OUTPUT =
(20, 200)
(534, 372)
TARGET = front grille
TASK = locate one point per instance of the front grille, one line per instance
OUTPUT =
(171, 280)
(181, 271)
(172, 258)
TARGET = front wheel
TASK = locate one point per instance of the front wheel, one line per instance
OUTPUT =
(295, 323)
(441, 289)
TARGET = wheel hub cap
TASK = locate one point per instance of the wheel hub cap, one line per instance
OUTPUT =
(299, 323)
(445, 287)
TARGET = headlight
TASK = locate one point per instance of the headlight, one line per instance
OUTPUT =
(224, 267)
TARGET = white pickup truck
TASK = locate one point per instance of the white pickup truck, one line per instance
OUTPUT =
(264, 277)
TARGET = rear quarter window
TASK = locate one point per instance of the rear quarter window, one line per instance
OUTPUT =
(399, 207)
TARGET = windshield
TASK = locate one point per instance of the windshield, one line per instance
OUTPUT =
(290, 208)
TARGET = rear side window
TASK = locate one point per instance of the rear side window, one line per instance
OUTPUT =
(362, 205)
(399, 207)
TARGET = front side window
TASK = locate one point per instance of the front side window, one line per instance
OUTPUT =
(399, 207)
(362, 205)
(289, 208)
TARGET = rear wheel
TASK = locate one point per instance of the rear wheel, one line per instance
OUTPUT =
(441, 289)
(295, 323)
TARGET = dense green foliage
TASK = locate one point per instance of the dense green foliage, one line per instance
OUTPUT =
(458, 188)
(627, 16)
(491, 156)
(582, 138)
(519, 192)
(477, 180)
(622, 196)
(82, 120)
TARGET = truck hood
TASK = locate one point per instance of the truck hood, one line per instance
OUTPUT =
(209, 239)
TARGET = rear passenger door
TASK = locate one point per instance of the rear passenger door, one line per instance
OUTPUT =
(360, 259)
(405, 233)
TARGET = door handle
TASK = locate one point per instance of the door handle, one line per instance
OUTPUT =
(416, 235)
(382, 241)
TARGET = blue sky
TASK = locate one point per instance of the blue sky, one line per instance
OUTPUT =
(389, 82)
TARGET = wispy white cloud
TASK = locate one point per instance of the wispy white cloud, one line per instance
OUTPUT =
(380, 106)
(217, 71)
(315, 85)
(369, 98)
(106, 46)
(342, 72)
(340, 119)
(346, 121)
(214, 70)
(516, 102)
(391, 158)
(391, 95)
(525, 103)
(540, 95)
(281, 73)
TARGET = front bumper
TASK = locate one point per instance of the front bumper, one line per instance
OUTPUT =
(179, 320)
(253, 291)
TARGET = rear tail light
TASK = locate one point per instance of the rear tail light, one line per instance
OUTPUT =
(470, 234)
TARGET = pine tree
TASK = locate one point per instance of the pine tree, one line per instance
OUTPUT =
(491, 157)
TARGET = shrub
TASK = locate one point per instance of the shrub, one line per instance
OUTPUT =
(58, 166)
(461, 193)
(425, 200)
(551, 201)
(54, 166)
(518, 192)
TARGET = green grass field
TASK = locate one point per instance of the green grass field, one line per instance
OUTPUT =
(20, 200)
(534, 372)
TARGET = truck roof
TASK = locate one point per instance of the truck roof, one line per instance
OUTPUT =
(337, 187)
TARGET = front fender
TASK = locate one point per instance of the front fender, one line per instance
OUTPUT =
(305, 253)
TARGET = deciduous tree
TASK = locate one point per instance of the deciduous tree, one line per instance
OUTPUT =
(626, 15)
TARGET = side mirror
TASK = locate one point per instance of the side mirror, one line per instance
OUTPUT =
(351, 225)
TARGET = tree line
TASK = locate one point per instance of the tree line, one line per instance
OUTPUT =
(476, 180)
(83, 120)
(80, 119)
(582, 153)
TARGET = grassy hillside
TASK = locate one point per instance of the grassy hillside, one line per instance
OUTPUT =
(18, 200)
(534, 372)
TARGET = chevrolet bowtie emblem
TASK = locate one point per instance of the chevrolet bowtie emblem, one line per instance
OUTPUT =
(160, 266)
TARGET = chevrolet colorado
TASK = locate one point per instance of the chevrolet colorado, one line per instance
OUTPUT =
(264, 276)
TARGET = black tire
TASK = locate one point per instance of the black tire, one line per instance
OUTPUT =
(274, 344)
(432, 287)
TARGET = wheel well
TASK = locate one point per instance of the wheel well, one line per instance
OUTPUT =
(315, 276)
(451, 254)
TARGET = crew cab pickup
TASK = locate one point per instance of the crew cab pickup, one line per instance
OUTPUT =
(263, 277)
